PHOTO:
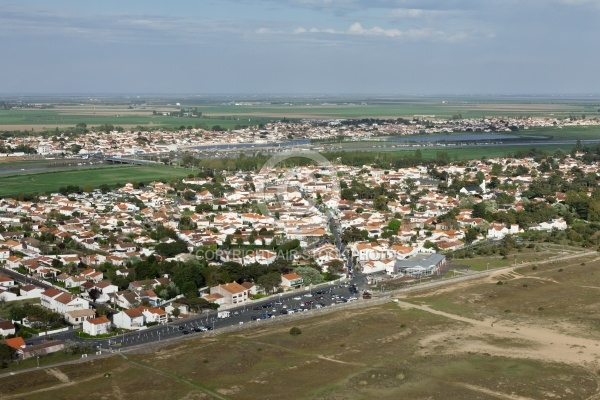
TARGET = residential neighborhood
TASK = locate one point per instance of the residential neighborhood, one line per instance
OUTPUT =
(148, 253)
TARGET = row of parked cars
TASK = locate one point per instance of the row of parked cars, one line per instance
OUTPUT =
(200, 328)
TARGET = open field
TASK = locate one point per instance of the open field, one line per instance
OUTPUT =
(44, 182)
(534, 337)
(230, 115)
(456, 153)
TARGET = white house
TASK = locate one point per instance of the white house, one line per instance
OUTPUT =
(62, 302)
(96, 326)
(131, 319)
(291, 280)
(157, 315)
(7, 328)
(264, 257)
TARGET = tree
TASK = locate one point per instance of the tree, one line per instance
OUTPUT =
(176, 312)
(295, 331)
(270, 281)
(335, 267)
(310, 276)
(6, 354)
(471, 235)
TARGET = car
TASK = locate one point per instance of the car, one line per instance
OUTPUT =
(181, 327)
(185, 332)
(255, 318)
(236, 313)
(257, 308)
(200, 329)
(318, 305)
(278, 303)
(290, 311)
(297, 298)
(308, 295)
(284, 311)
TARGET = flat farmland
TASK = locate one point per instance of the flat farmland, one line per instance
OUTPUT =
(247, 113)
(45, 182)
(454, 342)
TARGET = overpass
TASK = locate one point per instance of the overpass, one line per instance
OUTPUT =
(128, 160)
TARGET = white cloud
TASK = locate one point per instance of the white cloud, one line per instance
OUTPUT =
(356, 29)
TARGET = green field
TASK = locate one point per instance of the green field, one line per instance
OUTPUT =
(228, 115)
(46, 182)
(457, 153)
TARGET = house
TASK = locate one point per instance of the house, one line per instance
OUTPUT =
(7, 328)
(4, 253)
(157, 315)
(62, 302)
(183, 308)
(264, 257)
(74, 281)
(105, 288)
(6, 282)
(76, 317)
(7, 295)
(30, 291)
(43, 348)
(232, 293)
(16, 343)
(96, 326)
(291, 280)
(252, 288)
(131, 319)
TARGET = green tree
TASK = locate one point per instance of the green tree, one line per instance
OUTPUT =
(270, 281)
(310, 276)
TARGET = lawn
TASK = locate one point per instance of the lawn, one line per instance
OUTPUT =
(7, 307)
(46, 182)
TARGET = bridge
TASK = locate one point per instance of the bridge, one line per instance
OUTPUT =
(135, 161)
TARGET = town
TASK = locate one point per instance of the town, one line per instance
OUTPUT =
(108, 140)
(105, 261)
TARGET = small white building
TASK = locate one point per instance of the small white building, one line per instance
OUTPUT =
(96, 326)
(131, 319)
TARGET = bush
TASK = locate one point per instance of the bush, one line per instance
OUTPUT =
(499, 283)
(560, 270)
(295, 331)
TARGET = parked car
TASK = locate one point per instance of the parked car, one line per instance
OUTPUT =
(278, 303)
(200, 329)
(297, 298)
(284, 311)
(185, 332)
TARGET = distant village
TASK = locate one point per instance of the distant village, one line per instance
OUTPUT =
(121, 143)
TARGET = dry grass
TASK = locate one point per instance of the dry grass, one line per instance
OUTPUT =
(440, 345)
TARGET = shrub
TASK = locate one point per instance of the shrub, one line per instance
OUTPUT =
(534, 267)
(560, 270)
(499, 283)
(295, 331)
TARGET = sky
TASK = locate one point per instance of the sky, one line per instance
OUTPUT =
(403, 47)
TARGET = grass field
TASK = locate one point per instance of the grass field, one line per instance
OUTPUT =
(461, 153)
(533, 337)
(228, 115)
(45, 182)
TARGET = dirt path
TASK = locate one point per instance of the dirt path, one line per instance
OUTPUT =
(542, 343)
(58, 375)
(499, 395)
